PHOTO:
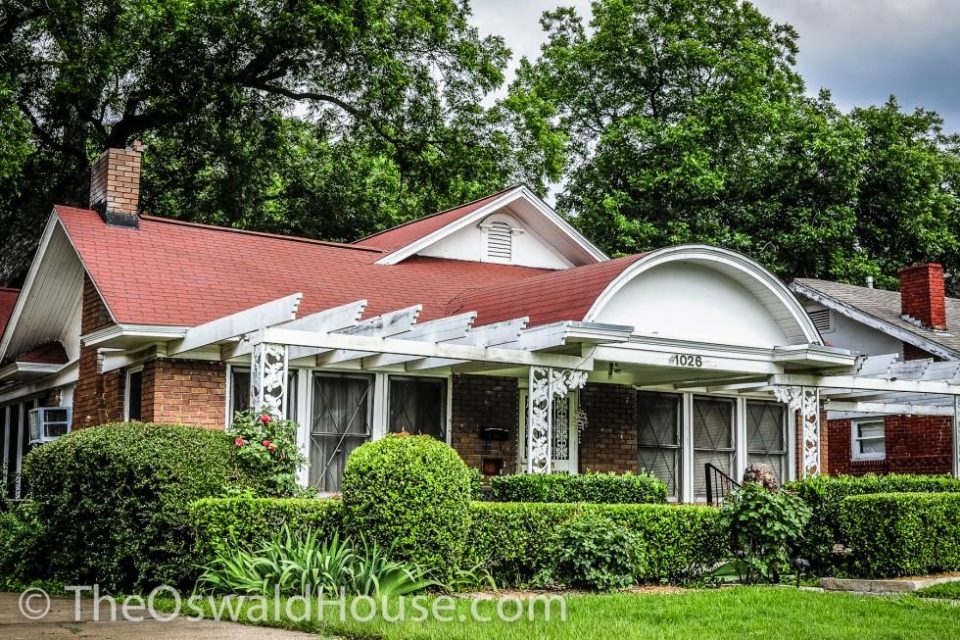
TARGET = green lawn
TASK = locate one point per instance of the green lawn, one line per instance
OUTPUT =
(754, 612)
(946, 591)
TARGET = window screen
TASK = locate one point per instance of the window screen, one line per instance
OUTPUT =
(419, 405)
(658, 437)
(712, 439)
(767, 436)
(341, 423)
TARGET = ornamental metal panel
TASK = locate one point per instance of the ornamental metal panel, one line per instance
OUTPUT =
(268, 378)
(546, 384)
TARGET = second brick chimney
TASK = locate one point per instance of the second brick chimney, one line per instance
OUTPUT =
(115, 186)
(923, 295)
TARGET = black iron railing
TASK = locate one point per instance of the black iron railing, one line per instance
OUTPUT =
(719, 484)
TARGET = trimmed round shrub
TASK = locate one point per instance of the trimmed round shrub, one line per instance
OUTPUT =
(593, 552)
(601, 488)
(410, 494)
(116, 498)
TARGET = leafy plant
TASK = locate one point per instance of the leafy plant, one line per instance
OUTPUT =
(269, 446)
(411, 494)
(302, 562)
(763, 526)
(593, 552)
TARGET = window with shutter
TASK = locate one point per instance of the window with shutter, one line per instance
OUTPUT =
(499, 242)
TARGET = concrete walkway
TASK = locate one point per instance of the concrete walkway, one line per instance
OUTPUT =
(59, 623)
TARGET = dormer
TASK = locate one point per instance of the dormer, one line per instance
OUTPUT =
(511, 227)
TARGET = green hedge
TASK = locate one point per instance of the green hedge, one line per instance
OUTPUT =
(509, 538)
(902, 534)
(824, 495)
(223, 523)
(114, 499)
(607, 488)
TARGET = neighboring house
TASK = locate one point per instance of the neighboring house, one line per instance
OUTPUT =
(919, 324)
(469, 325)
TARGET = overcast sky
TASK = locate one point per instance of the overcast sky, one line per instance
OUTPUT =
(862, 50)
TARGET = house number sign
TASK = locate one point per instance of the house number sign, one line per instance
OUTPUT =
(684, 360)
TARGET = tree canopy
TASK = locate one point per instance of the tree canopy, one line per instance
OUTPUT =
(659, 122)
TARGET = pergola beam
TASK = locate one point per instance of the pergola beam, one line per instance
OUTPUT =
(891, 408)
(447, 330)
(387, 324)
(236, 324)
(372, 344)
(488, 335)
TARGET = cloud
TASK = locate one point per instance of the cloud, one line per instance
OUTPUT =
(862, 50)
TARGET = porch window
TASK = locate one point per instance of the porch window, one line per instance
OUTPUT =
(767, 436)
(240, 392)
(713, 442)
(869, 439)
(341, 423)
(419, 405)
(658, 437)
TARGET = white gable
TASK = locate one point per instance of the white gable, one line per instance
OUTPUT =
(516, 228)
(501, 238)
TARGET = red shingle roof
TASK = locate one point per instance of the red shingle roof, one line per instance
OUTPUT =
(8, 298)
(178, 274)
(409, 232)
(549, 297)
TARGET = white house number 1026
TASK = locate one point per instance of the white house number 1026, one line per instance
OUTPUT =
(684, 360)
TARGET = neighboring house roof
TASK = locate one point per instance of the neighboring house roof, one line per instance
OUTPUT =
(8, 298)
(545, 298)
(48, 353)
(171, 273)
(881, 310)
(402, 235)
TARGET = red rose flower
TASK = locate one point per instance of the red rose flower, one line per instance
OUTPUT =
(269, 445)
(265, 418)
(240, 441)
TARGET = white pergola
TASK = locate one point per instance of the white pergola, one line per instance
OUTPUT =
(559, 358)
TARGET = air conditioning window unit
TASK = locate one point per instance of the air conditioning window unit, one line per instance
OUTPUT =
(49, 423)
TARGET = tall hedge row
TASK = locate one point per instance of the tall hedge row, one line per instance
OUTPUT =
(901, 534)
(607, 488)
(824, 495)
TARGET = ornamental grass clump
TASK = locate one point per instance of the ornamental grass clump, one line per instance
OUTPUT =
(302, 563)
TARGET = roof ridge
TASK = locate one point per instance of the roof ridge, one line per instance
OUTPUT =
(261, 234)
(859, 286)
(439, 213)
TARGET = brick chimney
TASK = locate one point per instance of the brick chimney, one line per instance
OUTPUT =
(923, 295)
(115, 185)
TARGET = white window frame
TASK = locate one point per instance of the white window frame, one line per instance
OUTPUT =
(856, 438)
(126, 392)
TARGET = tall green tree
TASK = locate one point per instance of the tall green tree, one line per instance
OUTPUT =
(248, 106)
(675, 121)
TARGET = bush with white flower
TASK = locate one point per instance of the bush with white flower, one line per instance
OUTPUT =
(268, 444)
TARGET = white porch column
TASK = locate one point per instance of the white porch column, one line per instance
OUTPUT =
(268, 378)
(806, 400)
(546, 383)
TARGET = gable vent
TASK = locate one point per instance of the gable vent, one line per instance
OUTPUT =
(822, 319)
(499, 242)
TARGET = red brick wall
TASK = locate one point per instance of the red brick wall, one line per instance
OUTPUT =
(914, 444)
(97, 398)
(185, 392)
(609, 442)
(485, 401)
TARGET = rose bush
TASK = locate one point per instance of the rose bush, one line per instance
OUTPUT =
(268, 445)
